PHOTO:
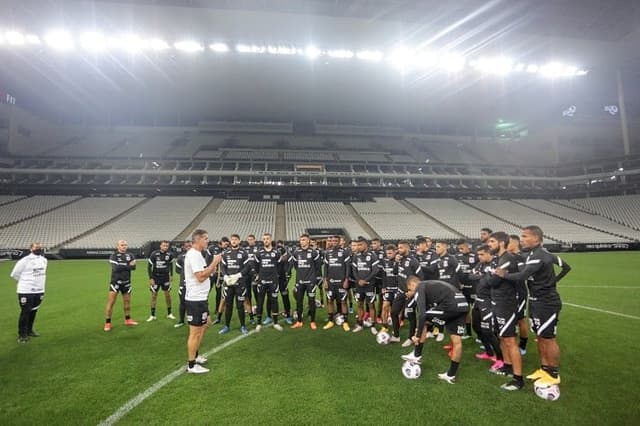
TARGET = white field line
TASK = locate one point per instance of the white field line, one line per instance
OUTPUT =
(138, 399)
(589, 308)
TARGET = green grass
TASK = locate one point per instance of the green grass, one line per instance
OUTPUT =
(77, 374)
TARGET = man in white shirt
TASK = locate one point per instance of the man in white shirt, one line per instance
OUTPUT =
(30, 273)
(197, 283)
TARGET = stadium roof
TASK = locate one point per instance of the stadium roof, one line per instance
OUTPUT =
(179, 87)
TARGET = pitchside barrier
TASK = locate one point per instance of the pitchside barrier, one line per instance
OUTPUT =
(176, 248)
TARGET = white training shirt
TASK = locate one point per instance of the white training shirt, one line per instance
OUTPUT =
(196, 291)
(30, 272)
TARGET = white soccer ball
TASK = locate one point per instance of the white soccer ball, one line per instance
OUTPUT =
(339, 320)
(367, 322)
(382, 338)
(550, 393)
(411, 370)
(389, 321)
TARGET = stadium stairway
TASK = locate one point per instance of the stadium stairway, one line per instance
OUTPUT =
(210, 208)
(14, 200)
(416, 210)
(55, 248)
(281, 223)
(567, 219)
(40, 213)
(504, 220)
(363, 223)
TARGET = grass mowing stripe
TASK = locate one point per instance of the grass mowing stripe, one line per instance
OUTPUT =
(601, 310)
(601, 286)
(138, 399)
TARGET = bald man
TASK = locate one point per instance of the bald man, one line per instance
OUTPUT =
(122, 263)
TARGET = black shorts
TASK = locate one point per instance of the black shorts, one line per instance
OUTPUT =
(366, 294)
(161, 283)
(197, 312)
(309, 287)
(453, 321)
(336, 292)
(485, 317)
(124, 288)
(389, 294)
(543, 318)
(521, 293)
(504, 319)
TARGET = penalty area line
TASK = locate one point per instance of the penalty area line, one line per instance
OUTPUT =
(589, 308)
(138, 399)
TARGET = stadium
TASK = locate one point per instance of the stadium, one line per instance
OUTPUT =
(373, 120)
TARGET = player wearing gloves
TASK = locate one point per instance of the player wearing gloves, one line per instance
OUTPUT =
(234, 266)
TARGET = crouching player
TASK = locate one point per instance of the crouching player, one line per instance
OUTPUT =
(443, 305)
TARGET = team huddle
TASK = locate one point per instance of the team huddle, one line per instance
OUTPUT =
(435, 289)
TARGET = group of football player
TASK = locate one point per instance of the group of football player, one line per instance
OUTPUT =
(435, 288)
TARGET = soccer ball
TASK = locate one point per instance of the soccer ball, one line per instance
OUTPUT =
(411, 370)
(389, 321)
(382, 338)
(550, 393)
(339, 320)
(367, 322)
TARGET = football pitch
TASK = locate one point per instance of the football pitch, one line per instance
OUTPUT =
(75, 373)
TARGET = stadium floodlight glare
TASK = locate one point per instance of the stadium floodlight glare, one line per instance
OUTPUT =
(93, 41)
(219, 47)
(32, 39)
(129, 42)
(532, 68)
(250, 48)
(494, 66)
(340, 54)
(401, 58)
(188, 46)
(370, 55)
(158, 44)
(582, 72)
(519, 67)
(59, 40)
(452, 62)
(14, 38)
(281, 50)
(312, 52)
(552, 70)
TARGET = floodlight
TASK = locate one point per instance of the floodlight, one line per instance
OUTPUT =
(59, 40)
(219, 47)
(312, 52)
(340, 54)
(370, 55)
(158, 44)
(93, 41)
(452, 62)
(188, 46)
(532, 68)
(552, 70)
(15, 38)
(250, 48)
(129, 42)
(32, 39)
(281, 50)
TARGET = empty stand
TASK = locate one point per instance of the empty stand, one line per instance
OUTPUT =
(32, 206)
(302, 216)
(623, 209)
(241, 217)
(459, 216)
(159, 218)
(591, 220)
(64, 223)
(392, 221)
(554, 228)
